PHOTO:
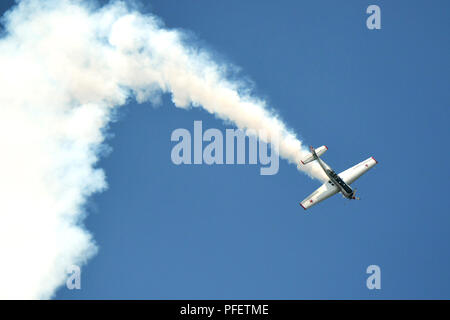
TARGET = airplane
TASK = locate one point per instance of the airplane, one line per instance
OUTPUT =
(337, 182)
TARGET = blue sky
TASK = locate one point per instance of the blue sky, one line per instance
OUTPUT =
(213, 232)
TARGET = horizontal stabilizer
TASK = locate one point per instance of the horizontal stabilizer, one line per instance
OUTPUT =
(319, 151)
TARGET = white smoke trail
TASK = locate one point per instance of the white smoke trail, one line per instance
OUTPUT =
(64, 67)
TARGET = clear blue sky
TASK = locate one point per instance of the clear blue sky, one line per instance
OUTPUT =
(212, 232)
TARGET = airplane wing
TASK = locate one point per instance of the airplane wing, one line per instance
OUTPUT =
(353, 173)
(323, 192)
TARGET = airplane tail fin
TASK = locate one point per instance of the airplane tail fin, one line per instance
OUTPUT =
(315, 153)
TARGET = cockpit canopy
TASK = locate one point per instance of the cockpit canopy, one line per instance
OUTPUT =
(339, 181)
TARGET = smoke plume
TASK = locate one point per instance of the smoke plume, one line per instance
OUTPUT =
(65, 65)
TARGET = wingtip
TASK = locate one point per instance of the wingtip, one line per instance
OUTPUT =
(302, 206)
(374, 160)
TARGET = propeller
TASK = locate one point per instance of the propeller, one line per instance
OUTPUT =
(355, 197)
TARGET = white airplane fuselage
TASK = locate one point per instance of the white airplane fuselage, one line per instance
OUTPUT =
(344, 188)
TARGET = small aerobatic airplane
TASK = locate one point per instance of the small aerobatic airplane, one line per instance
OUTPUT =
(337, 182)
